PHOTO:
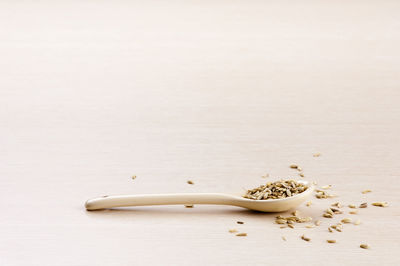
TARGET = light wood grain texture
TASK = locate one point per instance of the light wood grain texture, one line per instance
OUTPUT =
(219, 92)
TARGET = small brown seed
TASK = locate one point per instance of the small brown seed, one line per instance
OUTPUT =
(363, 205)
(353, 212)
(283, 238)
(291, 225)
(364, 246)
(301, 174)
(331, 241)
(283, 226)
(357, 222)
(346, 220)
(336, 204)
(317, 222)
(310, 226)
(329, 211)
(352, 206)
(133, 177)
(240, 222)
(366, 191)
(294, 166)
(189, 205)
(380, 204)
(330, 230)
(296, 213)
(308, 204)
(280, 221)
(327, 215)
(299, 169)
(305, 238)
(241, 234)
(190, 182)
(232, 230)
(317, 154)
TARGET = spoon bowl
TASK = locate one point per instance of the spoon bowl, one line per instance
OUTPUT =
(271, 205)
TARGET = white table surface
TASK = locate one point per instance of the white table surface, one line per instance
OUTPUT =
(219, 92)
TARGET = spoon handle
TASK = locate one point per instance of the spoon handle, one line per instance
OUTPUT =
(107, 202)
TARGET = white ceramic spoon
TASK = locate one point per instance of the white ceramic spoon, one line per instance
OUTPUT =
(273, 205)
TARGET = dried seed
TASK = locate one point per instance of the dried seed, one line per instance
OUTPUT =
(265, 176)
(189, 205)
(283, 238)
(299, 169)
(305, 238)
(346, 220)
(301, 174)
(363, 205)
(352, 206)
(281, 221)
(317, 154)
(190, 182)
(364, 246)
(380, 204)
(133, 177)
(291, 225)
(331, 241)
(240, 222)
(310, 226)
(327, 215)
(283, 226)
(276, 190)
(308, 204)
(326, 187)
(232, 230)
(353, 212)
(329, 210)
(294, 166)
(317, 222)
(366, 191)
(241, 234)
(357, 222)
(296, 213)
(330, 230)
(336, 204)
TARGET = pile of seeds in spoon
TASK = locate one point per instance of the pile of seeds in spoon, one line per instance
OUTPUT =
(276, 190)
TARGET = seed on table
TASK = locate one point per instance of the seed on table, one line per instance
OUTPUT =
(317, 222)
(190, 182)
(317, 154)
(296, 213)
(299, 169)
(326, 187)
(133, 177)
(189, 205)
(364, 246)
(240, 222)
(336, 204)
(346, 220)
(329, 210)
(310, 226)
(282, 226)
(330, 230)
(308, 204)
(366, 191)
(294, 166)
(352, 206)
(331, 241)
(357, 222)
(380, 204)
(291, 225)
(283, 238)
(305, 238)
(363, 205)
(301, 174)
(265, 176)
(353, 212)
(232, 230)
(241, 234)
(327, 215)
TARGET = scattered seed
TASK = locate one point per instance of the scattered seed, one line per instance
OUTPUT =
(364, 246)
(291, 225)
(336, 204)
(331, 241)
(363, 205)
(265, 176)
(310, 226)
(232, 230)
(283, 238)
(317, 154)
(280, 221)
(133, 177)
(353, 212)
(366, 191)
(326, 187)
(305, 238)
(294, 166)
(330, 230)
(241, 234)
(296, 213)
(105, 196)
(190, 182)
(329, 211)
(346, 220)
(189, 206)
(380, 204)
(352, 206)
(240, 222)
(299, 169)
(301, 174)
(317, 222)
(327, 215)
(283, 226)
(308, 204)
(357, 222)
